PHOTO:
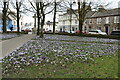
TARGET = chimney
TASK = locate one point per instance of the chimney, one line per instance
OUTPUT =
(101, 8)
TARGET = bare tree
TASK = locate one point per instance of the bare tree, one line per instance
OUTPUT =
(42, 8)
(18, 5)
(54, 18)
(58, 7)
(84, 6)
(4, 13)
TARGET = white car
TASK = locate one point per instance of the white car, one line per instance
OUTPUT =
(97, 32)
(71, 31)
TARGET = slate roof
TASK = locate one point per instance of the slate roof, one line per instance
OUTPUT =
(89, 14)
(112, 12)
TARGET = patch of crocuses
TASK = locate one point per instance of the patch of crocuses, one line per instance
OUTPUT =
(7, 36)
(58, 49)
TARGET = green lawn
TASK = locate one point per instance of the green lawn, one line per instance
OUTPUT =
(63, 57)
(102, 67)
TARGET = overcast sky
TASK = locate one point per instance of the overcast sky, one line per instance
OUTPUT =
(113, 4)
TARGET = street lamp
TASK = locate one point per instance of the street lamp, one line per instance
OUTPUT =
(71, 3)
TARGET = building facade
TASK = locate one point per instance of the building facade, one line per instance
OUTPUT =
(11, 22)
(105, 20)
(14, 22)
(64, 22)
(48, 27)
(8, 23)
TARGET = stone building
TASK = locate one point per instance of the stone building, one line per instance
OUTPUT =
(105, 20)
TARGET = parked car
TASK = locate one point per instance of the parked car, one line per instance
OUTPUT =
(26, 30)
(71, 31)
(115, 32)
(97, 32)
(78, 31)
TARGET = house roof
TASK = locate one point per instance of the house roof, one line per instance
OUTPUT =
(89, 14)
(105, 13)
(2, 16)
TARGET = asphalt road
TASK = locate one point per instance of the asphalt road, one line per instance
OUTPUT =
(7, 46)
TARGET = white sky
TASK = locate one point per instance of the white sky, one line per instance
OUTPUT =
(113, 4)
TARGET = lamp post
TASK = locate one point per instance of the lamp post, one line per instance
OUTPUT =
(71, 3)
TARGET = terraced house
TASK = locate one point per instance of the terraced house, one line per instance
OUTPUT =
(105, 20)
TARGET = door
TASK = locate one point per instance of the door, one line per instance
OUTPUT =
(106, 30)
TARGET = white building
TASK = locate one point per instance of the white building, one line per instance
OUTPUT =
(48, 27)
(68, 20)
(14, 21)
(103, 19)
(64, 22)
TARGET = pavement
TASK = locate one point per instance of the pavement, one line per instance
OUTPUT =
(7, 46)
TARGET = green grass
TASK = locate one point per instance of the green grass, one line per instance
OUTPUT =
(84, 41)
(88, 35)
(102, 67)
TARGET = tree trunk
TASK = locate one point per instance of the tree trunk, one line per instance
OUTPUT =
(80, 20)
(4, 17)
(34, 29)
(54, 18)
(80, 26)
(18, 25)
(42, 20)
(38, 18)
(42, 25)
(38, 29)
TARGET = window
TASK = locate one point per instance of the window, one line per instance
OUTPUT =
(85, 28)
(63, 28)
(99, 20)
(63, 22)
(75, 21)
(107, 20)
(90, 21)
(85, 22)
(99, 28)
(117, 19)
(94, 31)
(60, 29)
(90, 27)
(73, 29)
(76, 28)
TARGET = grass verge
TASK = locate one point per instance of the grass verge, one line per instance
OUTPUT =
(101, 67)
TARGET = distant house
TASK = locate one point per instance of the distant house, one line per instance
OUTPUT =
(48, 27)
(13, 17)
(105, 20)
(8, 23)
